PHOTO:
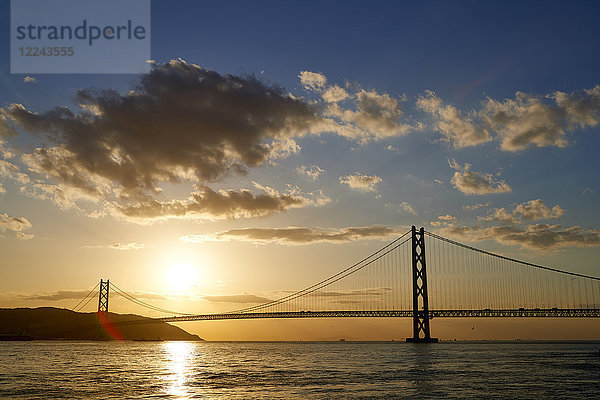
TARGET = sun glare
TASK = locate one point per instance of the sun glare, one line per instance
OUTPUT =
(182, 275)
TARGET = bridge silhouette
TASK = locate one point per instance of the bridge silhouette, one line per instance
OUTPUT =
(413, 279)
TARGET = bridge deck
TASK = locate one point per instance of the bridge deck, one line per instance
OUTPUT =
(487, 313)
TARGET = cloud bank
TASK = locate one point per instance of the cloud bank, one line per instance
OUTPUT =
(299, 236)
(535, 237)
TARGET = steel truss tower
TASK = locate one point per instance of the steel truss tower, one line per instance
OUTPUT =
(103, 296)
(420, 298)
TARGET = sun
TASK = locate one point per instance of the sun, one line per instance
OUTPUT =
(182, 276)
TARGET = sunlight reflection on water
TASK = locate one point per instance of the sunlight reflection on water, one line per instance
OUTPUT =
(178, 362)
(349, 370)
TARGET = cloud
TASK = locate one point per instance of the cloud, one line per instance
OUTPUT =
(536, 209)
(119, 246)
(181, 124)
(376, 116)
(63, 196)
(471, 182)
(58, 295)
(476, 206)
(312, 80)
(443, 220)
(458, 130)
(206, 203)
(312, 172)
(79, 294)
(29, 79)
(237, 298)
(366, 114)
(407, 207)
(517, 123)
(534, 120)
(299, 236)
(334, 94)
(16, 225)
(536, 237)
(11, 171)
(525, 121)
(280, 149)
(500, 215)
(530, 211)
(358, 181)
(351, 297)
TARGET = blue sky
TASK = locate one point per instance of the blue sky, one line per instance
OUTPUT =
(406, 166)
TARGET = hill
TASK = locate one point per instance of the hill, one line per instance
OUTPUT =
(59, 323)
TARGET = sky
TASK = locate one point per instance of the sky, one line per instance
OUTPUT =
(186, 185)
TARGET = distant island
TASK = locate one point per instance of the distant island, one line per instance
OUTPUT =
(49, 323)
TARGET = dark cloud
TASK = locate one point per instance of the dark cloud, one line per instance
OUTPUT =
(298, 236)
(208, 203)
(182, 123)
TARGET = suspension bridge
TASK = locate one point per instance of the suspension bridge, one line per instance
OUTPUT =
(407, 279)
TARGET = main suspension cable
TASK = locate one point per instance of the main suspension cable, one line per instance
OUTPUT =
(143, 304)
(85, 297)
(330, 280)
(433, 235)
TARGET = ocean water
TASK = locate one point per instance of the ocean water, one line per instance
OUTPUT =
(298, 370)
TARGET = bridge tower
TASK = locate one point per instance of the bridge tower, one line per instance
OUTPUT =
(103, 296)
(420, 298)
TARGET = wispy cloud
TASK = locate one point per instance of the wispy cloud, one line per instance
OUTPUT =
(358, 181)
(118, 246)
(299, 236)
(313, 172)
(405, 206)
(80, 294)
(237, 298)
(476, 206)
(16, 225)
(443, 220)
(536, 237)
